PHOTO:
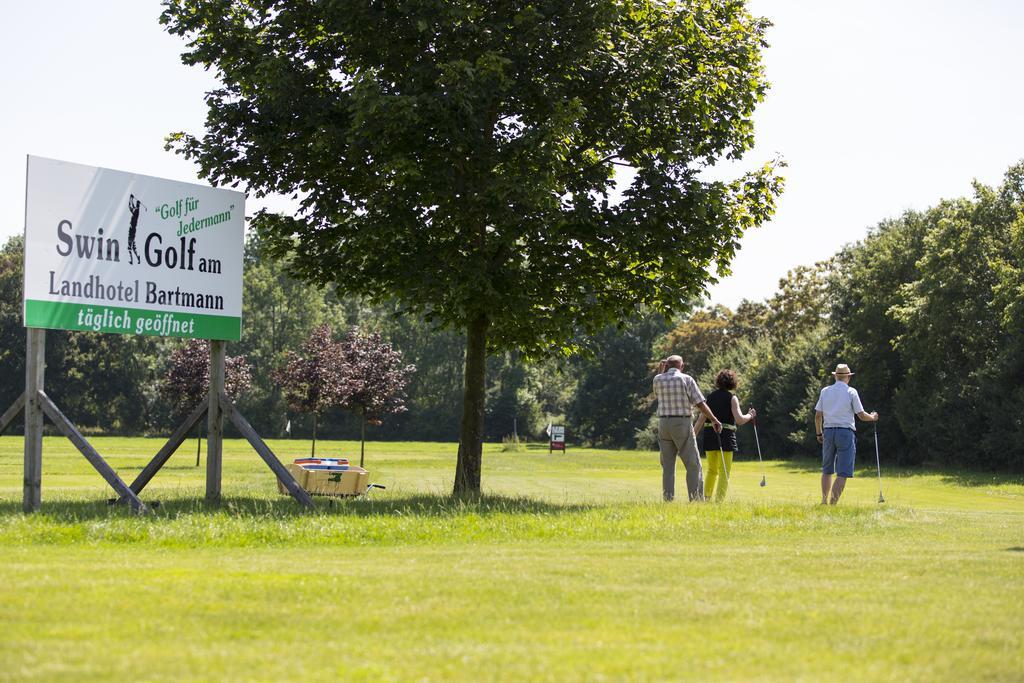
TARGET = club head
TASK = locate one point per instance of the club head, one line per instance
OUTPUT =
(763, 482)
(880, 498)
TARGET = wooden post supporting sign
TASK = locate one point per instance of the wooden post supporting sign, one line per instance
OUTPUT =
(216, 407)
(215, 423)
(165, 453)
(34, 403)
(243, 426)
(35, 366)
(12, 412)
(85, 448)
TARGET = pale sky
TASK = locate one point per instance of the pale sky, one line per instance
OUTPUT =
(877, 106)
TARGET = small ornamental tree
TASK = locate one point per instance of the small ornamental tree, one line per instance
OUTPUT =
(187, 382)
(375, 380)
(312, 381)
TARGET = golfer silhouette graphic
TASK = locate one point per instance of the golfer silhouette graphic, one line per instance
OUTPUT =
(134, 206)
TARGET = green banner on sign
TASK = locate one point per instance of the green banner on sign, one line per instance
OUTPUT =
(67, 316)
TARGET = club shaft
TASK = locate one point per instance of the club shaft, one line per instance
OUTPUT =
(758, 442)
(878, 463)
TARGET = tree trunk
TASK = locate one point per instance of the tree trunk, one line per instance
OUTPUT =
(471, 433)
(312, 451)
(362, 440)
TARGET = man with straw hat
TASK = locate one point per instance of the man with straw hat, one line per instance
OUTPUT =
(837, 431)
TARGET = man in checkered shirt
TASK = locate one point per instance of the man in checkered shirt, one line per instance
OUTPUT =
(678, 394)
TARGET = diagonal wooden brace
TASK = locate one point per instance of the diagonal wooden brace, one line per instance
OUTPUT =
(94, 458)
(165, 453)
(243, 426)
(12, 412)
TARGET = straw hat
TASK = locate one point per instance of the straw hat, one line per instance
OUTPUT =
(842, 369)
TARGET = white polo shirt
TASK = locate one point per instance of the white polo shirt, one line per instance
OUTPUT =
(840, 403)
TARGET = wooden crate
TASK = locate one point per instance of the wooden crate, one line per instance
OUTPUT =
(350, 482)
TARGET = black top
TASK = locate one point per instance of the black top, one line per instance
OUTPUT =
(720, 403)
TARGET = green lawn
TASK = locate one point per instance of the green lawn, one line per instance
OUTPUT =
(570, 569)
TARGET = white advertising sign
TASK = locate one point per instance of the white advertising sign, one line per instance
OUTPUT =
(558, 434)
(119, 252)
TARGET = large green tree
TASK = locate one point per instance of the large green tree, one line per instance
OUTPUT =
(460, 155)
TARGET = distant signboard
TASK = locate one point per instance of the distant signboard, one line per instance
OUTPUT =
(110, 251)
(557, 442)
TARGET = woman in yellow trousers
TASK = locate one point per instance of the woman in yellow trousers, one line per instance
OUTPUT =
(726, 407)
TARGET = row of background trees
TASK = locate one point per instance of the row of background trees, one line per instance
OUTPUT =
(928, 309)
(120, 384)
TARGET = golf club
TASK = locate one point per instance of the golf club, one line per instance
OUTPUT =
(878, 462)
(764, 479)
(721, 454)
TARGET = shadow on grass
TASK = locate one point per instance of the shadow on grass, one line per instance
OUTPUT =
(868, 468)
(982, 478)
(1015, 549)
(283, 508)
(862, 469)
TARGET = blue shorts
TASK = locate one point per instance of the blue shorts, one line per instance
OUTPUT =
(838, 451)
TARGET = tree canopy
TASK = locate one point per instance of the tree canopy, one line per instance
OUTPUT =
(461, 156)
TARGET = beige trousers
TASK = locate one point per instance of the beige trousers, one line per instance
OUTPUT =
(676, 437)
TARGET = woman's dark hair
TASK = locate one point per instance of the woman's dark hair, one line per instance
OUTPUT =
(726, 379)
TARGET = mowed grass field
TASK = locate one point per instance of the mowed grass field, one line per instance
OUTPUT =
(569, 569)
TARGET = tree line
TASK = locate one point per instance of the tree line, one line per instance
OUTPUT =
(928, 309)
(141, 385)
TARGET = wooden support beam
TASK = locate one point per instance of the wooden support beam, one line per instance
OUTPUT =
(243, 426)
(165, 453)
(12, 412)
(35, 365)
(215, 422)
(94, 458)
